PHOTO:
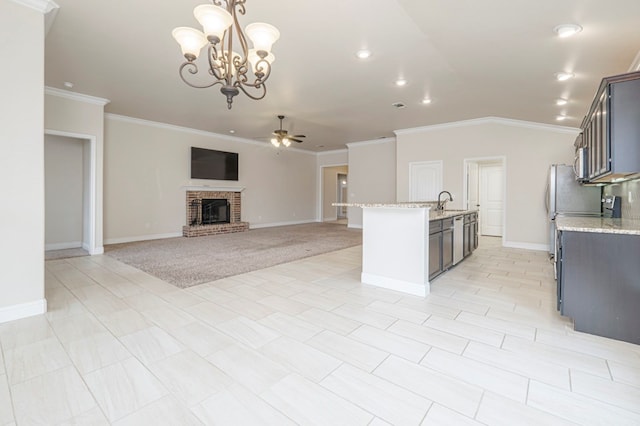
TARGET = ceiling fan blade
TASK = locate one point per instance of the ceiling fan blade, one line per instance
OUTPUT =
(295, 140)
(298, 136)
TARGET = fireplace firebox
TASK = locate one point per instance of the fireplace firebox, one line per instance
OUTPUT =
(210, 211)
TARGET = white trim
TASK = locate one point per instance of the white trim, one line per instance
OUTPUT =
(214, 188)
(354, 226)
(274, 224)
(63, 246)
(93, 251)
(526, 246)
(334, 151)
(190, 130)
(90, 242)
(490, 120)
(371, 142)
(75, 96)
(43, 6)
(23, 310)
(395, 284)
(635, 65)
(142, 238)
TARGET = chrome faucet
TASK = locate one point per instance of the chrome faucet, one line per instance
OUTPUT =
(441, 204)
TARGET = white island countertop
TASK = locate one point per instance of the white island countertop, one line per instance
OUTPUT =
(433, 213)
(598, 225)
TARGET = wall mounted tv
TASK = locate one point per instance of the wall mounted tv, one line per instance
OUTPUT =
(211, 164)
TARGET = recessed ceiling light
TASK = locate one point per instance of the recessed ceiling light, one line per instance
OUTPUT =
(561, 101)
(567, 30)
(363, 54)
(232, 131)
(426, 101)
(561, 117)
(68, 84)
(399, 105)
(401, 82)
(564, 76)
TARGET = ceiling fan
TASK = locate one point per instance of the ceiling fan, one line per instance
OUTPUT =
(283, 137)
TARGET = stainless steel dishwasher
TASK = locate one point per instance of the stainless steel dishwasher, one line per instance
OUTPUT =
(458, 239)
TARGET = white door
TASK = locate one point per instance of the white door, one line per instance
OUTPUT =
(425, 180)
(491, 199)
(473, 200)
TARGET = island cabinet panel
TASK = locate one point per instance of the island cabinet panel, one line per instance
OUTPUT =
(600, 283)
(470, 233)
(435, 255)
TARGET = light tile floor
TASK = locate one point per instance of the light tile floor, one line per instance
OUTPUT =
(306, 343)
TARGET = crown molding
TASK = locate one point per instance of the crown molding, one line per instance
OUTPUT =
(42, 6)
(75, 96)
(204, 133)
(371, 142)
(490, 120)
(334, 151)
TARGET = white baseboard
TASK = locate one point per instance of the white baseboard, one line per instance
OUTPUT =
(23, 310)
(270, 225)
(354, 226)
(527, 246)
(62, 246)
(142, 238)
(395, 284)
(95, 251)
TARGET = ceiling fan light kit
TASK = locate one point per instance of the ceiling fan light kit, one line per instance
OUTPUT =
(229, 69)
(282, 137)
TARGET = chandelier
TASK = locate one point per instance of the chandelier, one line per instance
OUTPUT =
(226, 67)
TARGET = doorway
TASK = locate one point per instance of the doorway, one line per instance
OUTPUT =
(484, 190)
(333, 189)
(70, 219)
(341, 190)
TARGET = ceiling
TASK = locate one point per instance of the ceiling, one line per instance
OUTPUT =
(473, 58)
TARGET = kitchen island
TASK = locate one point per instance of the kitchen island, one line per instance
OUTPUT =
(599, 275)
(402, 243)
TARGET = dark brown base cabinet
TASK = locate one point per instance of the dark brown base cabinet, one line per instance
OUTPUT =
(440, 246)
(599, 283)
(470, 233)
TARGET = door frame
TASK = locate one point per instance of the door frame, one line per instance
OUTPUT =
(89, 234)
(320, 207)
(499, 159)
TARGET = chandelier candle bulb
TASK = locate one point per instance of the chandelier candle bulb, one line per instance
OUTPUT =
(214, 20)
(262, 36)
(191, 42)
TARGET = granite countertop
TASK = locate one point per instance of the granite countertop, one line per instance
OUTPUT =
(433, 213)
(598, 225)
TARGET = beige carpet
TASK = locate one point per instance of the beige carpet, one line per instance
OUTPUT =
(185, 262)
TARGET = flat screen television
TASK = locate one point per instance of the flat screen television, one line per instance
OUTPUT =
(211, 164)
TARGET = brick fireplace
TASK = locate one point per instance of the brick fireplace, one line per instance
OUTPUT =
(195, 227)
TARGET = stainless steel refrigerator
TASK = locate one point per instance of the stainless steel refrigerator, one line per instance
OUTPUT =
(566, 197)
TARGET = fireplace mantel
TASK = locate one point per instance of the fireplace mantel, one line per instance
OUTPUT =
(214, 188)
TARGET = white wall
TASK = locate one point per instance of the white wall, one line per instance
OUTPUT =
(21, 162)
(330, 190)
(529, 150)
(147, 169)
(64, 175)
(372, 175)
